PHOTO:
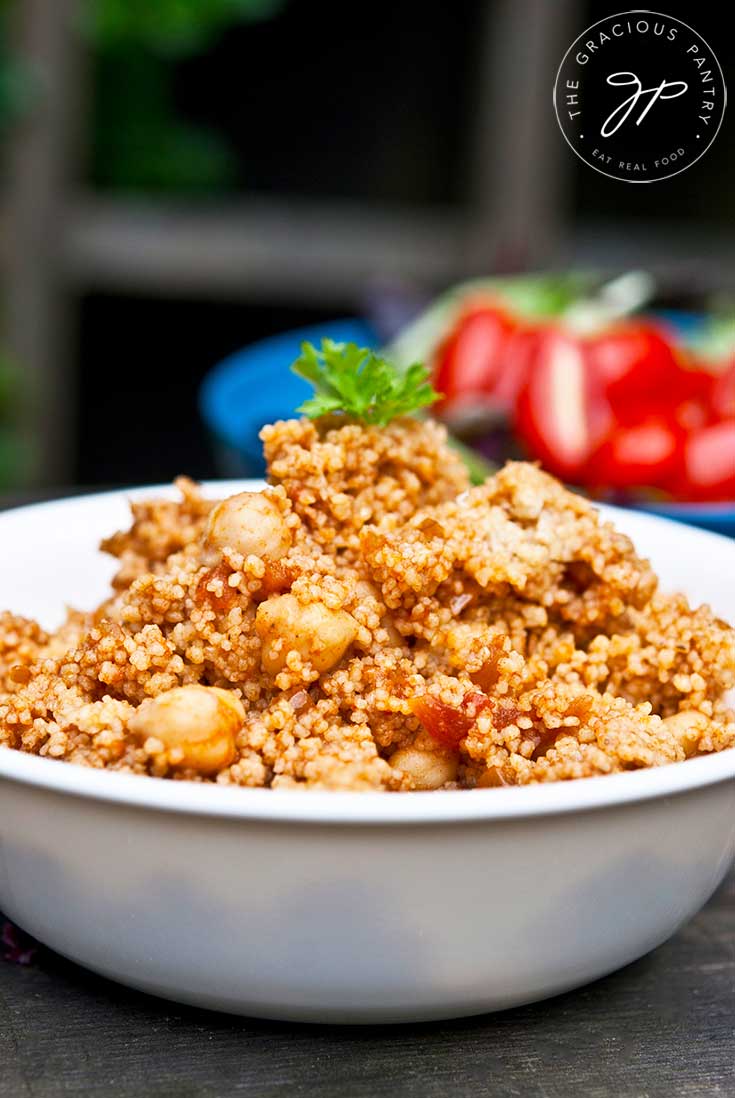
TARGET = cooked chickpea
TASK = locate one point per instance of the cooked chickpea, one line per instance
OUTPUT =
(426, 769)
(320, 636)
(248, 523)
(196, 724)
(687, 726)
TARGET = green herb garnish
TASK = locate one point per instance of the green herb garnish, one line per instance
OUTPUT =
(356, 382)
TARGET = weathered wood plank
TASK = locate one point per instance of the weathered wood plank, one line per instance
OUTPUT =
(259, 248)
(42, 165)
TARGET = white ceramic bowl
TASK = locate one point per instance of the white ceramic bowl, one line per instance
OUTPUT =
(350, 907)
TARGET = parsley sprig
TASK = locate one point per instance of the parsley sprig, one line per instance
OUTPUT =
(359, 384)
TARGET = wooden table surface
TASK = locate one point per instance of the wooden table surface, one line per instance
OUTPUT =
(662, 1028)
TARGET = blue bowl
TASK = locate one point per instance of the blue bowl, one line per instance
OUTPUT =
(255, 386)
(719, 517)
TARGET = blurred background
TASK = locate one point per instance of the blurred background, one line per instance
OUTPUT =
(179, 178)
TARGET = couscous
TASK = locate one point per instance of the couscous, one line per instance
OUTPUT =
(371, 621)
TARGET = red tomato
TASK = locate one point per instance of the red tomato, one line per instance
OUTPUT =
(690, 393)
(692, 381)
(647, 454)
(447, 724)
(708, 467)
(470, 360)
(519, 355)
(690, 414)
(723, 394)
(634, 363)
(561, 415)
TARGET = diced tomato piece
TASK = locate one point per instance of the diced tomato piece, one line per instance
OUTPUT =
(277, 578)
(561, 415)
(691, 381)
(647, 454)
(213, 588)
(723, 394)
(708, 465)
(487, 676)
(447, 724)
(518, 356)
(470, 360)
(634, 363)
(690, 414)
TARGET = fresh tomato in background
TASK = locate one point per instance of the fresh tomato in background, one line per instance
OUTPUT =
(520, 355)
(647, 454)
(689, 414)
(722, 396)
(708, 464)
(633, 361)
(470, 362)
(609, 410)
(561, 414)
(617, 405)
(643, 373)
(587, 407)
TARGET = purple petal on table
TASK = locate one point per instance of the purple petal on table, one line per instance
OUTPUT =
(16, 947)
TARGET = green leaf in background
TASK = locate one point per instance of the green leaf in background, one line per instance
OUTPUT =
(140, 145)
(17, 89)
(14, 458)
(11, 387)
(18, 85)
(477, 466)
(139, 142)
(544, 295)
(14, 454)
(168, 27)
(715, 339)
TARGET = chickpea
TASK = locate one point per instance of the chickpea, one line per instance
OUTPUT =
(248, 523)
(320, 636)
(687, 726)
(197, 724)
(426, 769)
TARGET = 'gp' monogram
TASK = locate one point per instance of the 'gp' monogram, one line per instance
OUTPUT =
(610, 89)
(625, 79)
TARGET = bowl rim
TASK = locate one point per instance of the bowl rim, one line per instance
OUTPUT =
(346, 808)
(366, 808)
